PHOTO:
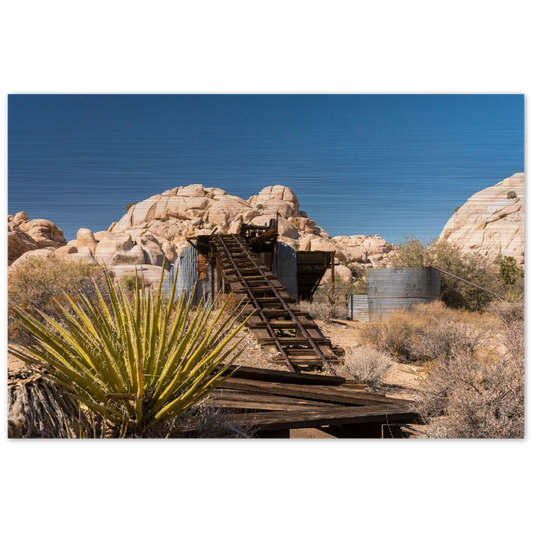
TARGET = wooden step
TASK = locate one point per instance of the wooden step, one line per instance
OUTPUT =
(270, 312)
(264, 302)
(326, 350)
(239, 287)
(234, 277)
(263, 336)
(256, 322)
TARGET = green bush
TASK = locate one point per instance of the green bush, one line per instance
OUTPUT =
(511, 195)
(127, 207)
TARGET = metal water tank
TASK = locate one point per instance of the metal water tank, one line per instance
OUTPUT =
(188, 280)
(390, 289)
(358, 307)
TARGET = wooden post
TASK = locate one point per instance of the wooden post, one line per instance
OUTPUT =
(219, 277)
(333, 273)
(212, 262)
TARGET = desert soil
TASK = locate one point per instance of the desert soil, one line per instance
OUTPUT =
(400, 382)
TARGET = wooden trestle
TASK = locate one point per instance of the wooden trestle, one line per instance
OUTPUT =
(277, 320)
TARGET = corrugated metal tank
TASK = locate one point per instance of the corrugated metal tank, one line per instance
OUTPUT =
(188, 279)
(390, 289)
(358, 307)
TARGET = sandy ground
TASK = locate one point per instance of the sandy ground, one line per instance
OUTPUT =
(400, 382)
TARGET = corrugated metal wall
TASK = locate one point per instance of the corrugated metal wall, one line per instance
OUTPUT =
(286, 268)
(188, 278)
(358, 307)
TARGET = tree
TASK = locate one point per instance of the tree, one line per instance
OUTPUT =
(510, 272)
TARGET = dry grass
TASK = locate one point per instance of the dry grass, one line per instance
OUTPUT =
(39, 284)
(473, 383)
(428, 332)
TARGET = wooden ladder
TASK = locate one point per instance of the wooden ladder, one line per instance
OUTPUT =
(277, 320)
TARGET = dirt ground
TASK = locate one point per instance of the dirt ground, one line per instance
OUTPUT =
(400, 381)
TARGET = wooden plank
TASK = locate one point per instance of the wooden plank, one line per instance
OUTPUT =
(262, 402)
(324, 417)
(256, 322)
(337, 394)
(262, 335)
(263, 300)
(283, 376)
(308, 360)
(249, 309)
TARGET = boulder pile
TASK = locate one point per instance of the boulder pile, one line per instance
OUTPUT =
(153, 232)
(151, 235)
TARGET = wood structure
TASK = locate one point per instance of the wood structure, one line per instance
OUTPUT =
(274, 402)
(277, 320)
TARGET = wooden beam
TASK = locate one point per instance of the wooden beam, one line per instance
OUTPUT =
(324, 417)
(338, 394)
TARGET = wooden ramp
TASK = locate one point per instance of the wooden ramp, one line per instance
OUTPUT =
(277, 321)
(276, 402)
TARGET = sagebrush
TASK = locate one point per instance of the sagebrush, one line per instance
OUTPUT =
(429, 331)
(368, 365)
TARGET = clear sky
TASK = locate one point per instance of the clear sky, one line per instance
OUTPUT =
(392, 165)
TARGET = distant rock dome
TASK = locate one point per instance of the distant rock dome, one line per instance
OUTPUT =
(491, 222)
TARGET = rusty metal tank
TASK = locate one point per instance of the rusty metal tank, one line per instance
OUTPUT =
(390, 289)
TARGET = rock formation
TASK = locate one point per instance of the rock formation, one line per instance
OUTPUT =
(181, 213)
(153, 232)
(25, 235)
(150, 236)
(491, 222)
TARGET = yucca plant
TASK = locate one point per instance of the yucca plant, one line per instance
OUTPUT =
(136, 361)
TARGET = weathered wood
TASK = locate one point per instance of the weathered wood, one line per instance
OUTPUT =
(307, 360)
(266, 298)
(272, 420)
(256, 322)
(338, 394)
(282, 376)
(261, 402)
(264, 338)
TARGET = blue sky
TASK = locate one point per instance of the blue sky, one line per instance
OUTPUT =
(392, 165)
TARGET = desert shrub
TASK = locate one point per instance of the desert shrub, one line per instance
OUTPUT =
(510, 272)
(474, 397)
(203, 421)
(43, 284)
(394, 334)
(137, 364)
(428, 332)
(470, 266)
(368, 365)
(511, 195)
(328, 302)
(127, 207)
(479, 392)
(457, 209)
